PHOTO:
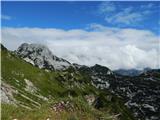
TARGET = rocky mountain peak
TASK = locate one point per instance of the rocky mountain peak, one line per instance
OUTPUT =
(40, 56)
(101, 69)
(25, 48)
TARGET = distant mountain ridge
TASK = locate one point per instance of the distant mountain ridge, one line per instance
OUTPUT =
(131, 72)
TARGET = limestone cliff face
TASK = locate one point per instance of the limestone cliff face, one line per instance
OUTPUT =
(42, 57)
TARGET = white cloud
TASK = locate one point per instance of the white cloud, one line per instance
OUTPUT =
(125, 18)
(127, 15)
(112, 47)
(107, 7)
(5, 17)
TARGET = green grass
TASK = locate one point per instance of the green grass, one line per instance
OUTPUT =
(15, 69)
(82, 111)
(115, 105)
(56, 86)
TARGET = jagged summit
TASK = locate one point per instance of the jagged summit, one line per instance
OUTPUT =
(40, 56)
(32, 46)
(101, 69)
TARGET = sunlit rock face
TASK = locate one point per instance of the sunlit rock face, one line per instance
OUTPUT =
(42, 57)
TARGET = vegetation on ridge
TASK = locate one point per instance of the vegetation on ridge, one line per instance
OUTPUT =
(35, 91)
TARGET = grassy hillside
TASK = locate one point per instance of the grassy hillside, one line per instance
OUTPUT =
(81, 111)
(34, 92)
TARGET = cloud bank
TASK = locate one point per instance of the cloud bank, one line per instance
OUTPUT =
(111, 47)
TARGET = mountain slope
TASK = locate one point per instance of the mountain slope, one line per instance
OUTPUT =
(140, 93)
(39, 94)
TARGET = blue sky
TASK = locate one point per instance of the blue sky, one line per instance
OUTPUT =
(79, 15)
(113, 34)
